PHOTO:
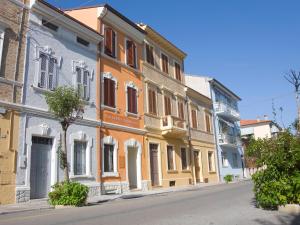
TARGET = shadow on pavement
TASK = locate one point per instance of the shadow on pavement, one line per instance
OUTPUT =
(131, 196)
(282, 220)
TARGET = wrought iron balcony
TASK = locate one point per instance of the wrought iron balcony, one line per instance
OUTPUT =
(227, 111)
(228, 140)
(173, 126)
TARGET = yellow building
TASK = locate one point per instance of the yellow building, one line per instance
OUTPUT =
(12, 53)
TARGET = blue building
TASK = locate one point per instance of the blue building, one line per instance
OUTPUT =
(226, 124)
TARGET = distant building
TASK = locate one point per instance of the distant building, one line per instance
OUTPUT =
(226, 123)
(259, 128)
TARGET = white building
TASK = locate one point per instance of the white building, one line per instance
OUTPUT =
(60, 52)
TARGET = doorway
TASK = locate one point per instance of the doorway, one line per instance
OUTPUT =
(154, 164)
(132, 167)
(40, 170)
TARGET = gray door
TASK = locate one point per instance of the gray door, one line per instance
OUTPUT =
(132, 167)
(154, 164)
(40, 171)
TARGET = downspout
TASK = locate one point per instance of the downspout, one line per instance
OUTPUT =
(215, 131)
(190, 138)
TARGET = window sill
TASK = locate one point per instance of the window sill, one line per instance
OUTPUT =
(212, 172)
(41, 90)
(186, 171)
(132, 114)
(172, 171)
(110, 174)
(105, 107)
(80, 176)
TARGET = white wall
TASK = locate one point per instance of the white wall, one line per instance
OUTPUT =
(199, 84)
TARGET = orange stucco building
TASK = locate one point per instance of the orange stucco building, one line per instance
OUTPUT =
(122, 163)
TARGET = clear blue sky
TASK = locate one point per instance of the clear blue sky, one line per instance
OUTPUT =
(247, 45)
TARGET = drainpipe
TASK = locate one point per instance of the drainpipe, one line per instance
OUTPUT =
(215, 131)
(190, 139)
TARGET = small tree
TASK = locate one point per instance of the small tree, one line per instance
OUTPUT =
(66, 105)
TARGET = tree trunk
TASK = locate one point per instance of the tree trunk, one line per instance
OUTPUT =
(64, 151)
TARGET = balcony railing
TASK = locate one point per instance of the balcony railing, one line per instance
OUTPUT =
(173, 126)
(227, 111)
(228, 140)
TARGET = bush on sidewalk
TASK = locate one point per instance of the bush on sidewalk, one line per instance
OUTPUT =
(278, 183)
(228, 178)
(68, 193)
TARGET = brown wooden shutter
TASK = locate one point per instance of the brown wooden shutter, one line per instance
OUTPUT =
(106, 91)
(194, 118)
(112, 93)
(180, 110)
(177, 71)
(113, 43)
(154, 102)
(134, 101)
(108, 41)
(165, 63)
(167, 106)
(207, 119)
(150, 101)
(130, 46)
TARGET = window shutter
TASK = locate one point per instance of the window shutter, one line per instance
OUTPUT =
(134, 101)
(167, 106)
(154, 102)
(129, 99)
(43, 70)
(86, 85)
(112, 93)
(207, 119)
(113, 43)
(108, 41)
(106, 91)
(130, 47)
(177, 71)
(150, 101)
(180, 110)
(194, 118)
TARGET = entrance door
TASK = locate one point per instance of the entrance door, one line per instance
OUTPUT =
(154, 164)
(40, 171)
(132, 167)
(197, 166)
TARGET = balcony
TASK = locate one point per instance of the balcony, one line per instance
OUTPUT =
(172, 126)
(228, 140)
(227, 111)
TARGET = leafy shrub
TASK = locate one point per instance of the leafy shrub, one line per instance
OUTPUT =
(279, 181)
(228, 178)
(68, 193)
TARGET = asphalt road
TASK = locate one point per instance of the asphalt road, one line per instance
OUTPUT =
(230, 204)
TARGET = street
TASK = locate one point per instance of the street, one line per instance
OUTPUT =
(216, 205)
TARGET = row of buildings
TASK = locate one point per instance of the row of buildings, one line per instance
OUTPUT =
(146, 124)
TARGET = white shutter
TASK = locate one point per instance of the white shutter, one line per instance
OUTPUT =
(42, 75)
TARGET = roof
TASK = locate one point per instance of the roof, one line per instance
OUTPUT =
(225, 88)
(114, 11)
(254, 122)
(66, 15)
(150, 30)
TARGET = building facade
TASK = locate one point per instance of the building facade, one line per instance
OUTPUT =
(226, 124)
(60, 52)
(202, 141)
(122, 160)
(166, 140)
(13, 20)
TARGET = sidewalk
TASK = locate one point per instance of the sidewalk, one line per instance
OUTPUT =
(42, 204)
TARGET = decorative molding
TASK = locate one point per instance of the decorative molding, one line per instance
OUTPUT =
(110, 141)
(45, 129)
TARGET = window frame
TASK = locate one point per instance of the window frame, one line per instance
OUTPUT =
(196, 119)
(83, 69)
(208, 129)
(161, 63)
(109, 140)
(186, 158)
(74, 162)
(154, 90)
(180, 101)
(171, 105)
(173, 156)
(153, 51)
(135, 66)
(180, 71)
(133, 86)
(213, 169)
(108, 75)
(115, 55)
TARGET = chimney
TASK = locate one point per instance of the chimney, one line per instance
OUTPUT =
(266, 117)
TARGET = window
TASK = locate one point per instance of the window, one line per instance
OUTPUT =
(150, 54)
(48, 72)
(234, 160)
(184, 163)
(181, 110)
(82, 41)
(165, 63)
(49, 25)
(208, 124)
(194, 118)
(168, 109)
(152, 101)
(130, 53)
(170, 155)
(83, 83)
(224, 159)
(79, 158)
(131, 100)
(1, 45)
(109, 42)
(109, 92)
(211, 163)
(177, 71)
(108, 158)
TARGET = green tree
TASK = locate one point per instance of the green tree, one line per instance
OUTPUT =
(278, 183)
(66, 105)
